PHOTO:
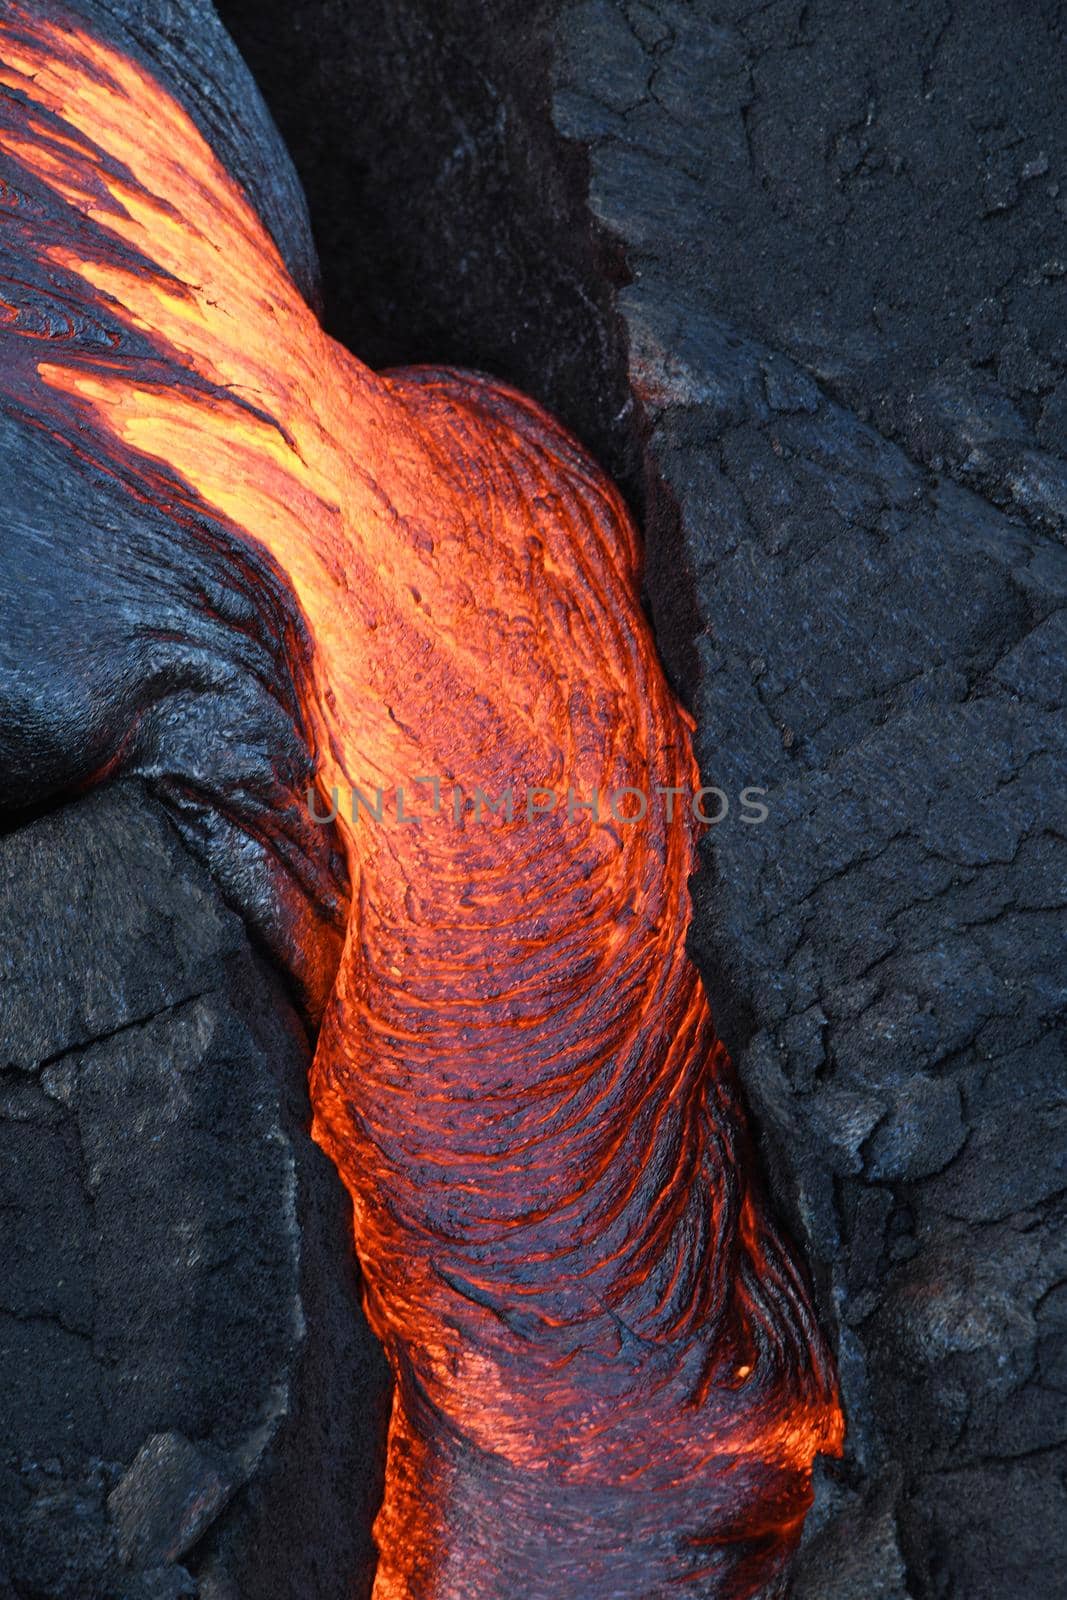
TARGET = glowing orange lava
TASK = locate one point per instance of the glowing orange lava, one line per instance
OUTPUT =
(609, 1380)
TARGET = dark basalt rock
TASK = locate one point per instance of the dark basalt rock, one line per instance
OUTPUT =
(842, 228)
(179, 1264)
(193, 1403)
(450, 216)
(165, 1501)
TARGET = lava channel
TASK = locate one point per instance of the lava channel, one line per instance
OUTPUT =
(610, 1384)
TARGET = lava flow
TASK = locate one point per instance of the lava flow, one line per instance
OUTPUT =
(609, 1381)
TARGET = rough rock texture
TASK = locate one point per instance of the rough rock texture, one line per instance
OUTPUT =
(192, 1401)
(450, 217)
(186, 1375)
(843, 227)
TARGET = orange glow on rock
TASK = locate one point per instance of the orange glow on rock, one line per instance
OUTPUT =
(609, 1378)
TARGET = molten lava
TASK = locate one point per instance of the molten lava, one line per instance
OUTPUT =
(609, 1379)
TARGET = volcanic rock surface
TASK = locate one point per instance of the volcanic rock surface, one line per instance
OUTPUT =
(193, 1403)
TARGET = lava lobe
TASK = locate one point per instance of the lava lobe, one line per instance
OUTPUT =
(609, 1380)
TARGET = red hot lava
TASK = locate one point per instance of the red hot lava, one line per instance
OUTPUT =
(610, 1383)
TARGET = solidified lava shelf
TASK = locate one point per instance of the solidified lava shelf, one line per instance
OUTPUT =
(610, 1382)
